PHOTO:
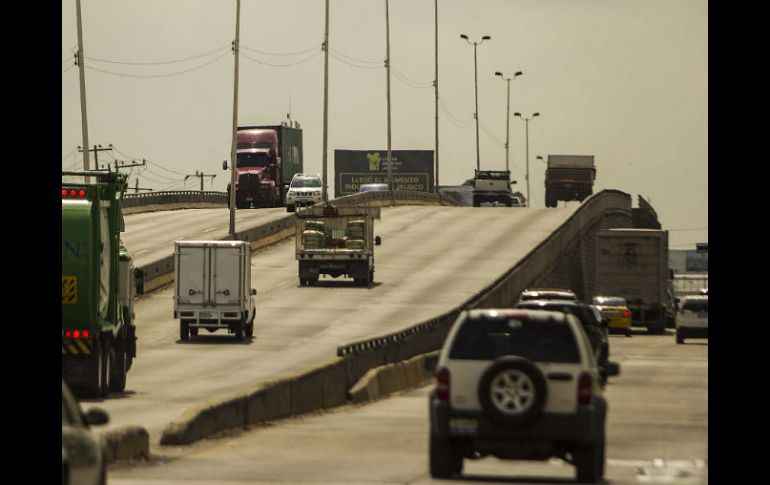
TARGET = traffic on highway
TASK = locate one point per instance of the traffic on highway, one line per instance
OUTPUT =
(396, 330)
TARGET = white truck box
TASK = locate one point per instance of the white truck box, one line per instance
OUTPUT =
(213, 287)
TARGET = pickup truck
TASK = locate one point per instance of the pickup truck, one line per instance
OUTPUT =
(336, 241)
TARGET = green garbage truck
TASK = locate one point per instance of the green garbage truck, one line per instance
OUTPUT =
(98, 331)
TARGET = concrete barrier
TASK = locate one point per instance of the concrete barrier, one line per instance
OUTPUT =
(125, 443)
(387, 379)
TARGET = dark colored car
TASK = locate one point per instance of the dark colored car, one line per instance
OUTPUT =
(595, 327)
(81, 451)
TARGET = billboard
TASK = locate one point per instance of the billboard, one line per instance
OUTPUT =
(412, 170)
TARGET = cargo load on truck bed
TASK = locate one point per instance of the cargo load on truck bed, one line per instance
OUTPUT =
(569, 177)
(336, 241)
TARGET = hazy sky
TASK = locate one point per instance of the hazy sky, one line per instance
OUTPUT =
(624, 80)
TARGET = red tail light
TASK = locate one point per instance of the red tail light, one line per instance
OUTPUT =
(585, 389)
(626, 313)
(442, 383)
(82, 193)
(68, 334)
(64, 192)
(73, 193)
(86, 334)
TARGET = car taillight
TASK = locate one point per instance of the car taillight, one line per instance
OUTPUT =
(626, 313)
(442, 383)
(585, 389)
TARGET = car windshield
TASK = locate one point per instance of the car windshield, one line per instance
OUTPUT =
(304, 183)
(608, 301)
(542, 341)
(258, 159)
(485, 174)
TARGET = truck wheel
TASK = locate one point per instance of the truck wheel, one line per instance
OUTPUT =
(476, 201)
(250, 330)
(95, 380)
(290, 208)
(107, 360)
(119, 369)
(184, 330)
(239, 331)
(371, 277)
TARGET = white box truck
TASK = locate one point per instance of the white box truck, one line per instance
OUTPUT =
(213, 287)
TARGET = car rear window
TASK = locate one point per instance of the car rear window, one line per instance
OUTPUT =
(696, 305)
(540, 341)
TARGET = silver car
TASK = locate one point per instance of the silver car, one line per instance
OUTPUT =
(82, 456)
(693, 318)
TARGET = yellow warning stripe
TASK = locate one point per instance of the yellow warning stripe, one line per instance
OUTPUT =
(77, 347)
(83, 347)
(72, 349)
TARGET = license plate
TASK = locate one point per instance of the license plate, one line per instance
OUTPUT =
(206, 315)
(463, 425)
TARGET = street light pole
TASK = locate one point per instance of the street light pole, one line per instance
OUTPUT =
(476, 86)
(526, 131)
(435, 85)
(83, 110)
(387, 65)
(326, 104)
(234, 134)
(508, 115)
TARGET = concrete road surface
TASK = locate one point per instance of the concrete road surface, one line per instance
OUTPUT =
(431, 259)
(657, 433)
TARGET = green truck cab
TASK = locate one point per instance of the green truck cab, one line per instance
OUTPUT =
(98, 331)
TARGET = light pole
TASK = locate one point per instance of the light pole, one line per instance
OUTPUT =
(324, 192)
(508, 113)
(476, 84)
(526, 131)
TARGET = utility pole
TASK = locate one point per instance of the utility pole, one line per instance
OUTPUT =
(127, 165)
(326, 104)
(476, 87)
(83, 111)
(201, 175)
(387, 65)
(233, 152)
(435, 85)
(96, 149)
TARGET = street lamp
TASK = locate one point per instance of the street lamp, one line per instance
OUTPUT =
(526, 128)
(476, 79)
(508, 113)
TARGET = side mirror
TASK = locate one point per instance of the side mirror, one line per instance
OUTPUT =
(377, 240)
(613, 368)
(431, 363)
(514, 182)
(253, 291)
(224, 165)
(96, 416)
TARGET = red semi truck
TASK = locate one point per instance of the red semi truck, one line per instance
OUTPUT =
(267, 159)
(569, 177)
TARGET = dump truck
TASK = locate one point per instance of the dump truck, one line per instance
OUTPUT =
(336, 241)
(492, 186)
(633, 264)
(98, 330)
(267, 159)
(212, 288)
(569, 177)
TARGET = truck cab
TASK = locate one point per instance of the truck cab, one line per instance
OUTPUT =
(492, 186)
(257, 168)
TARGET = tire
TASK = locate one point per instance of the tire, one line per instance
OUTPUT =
(93, 387)
(371, 277)
(518, 376)
(290, 208)
(476, 202)
(193, 331)
(239, 331)
(589, 461)
(119, 369)
(679, 338)
(184, 330)
(106, 371)
(250, 328)
(444, 458)
(656, 329)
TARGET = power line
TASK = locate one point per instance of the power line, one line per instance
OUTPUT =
(410, 82)
(159, 62)
(279, 53)
(280, 65)
(152, 163)
(158, 75)
(65, 70)
(351, 58)
(354, 65)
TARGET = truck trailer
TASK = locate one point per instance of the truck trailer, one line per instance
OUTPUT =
(633, 264)
(267, 159)
(569, 177)
(336, 241)
(212, 288)
(98, 330)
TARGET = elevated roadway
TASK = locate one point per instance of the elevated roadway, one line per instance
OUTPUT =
(431, 260)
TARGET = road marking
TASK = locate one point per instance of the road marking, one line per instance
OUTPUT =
(209, 229)
(142, 251)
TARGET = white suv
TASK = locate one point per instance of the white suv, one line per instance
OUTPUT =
(693, 318)
(521, 385)
(305, 189)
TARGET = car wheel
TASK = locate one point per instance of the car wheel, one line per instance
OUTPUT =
(119, 370)
(589, 461)
(193, 331)
(679, 338)
(184, 330)
(290, 208)
(250, 329)
(444, 458)
(512, 391)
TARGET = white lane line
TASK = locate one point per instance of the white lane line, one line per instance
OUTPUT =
(142, 251)
(209, 230)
